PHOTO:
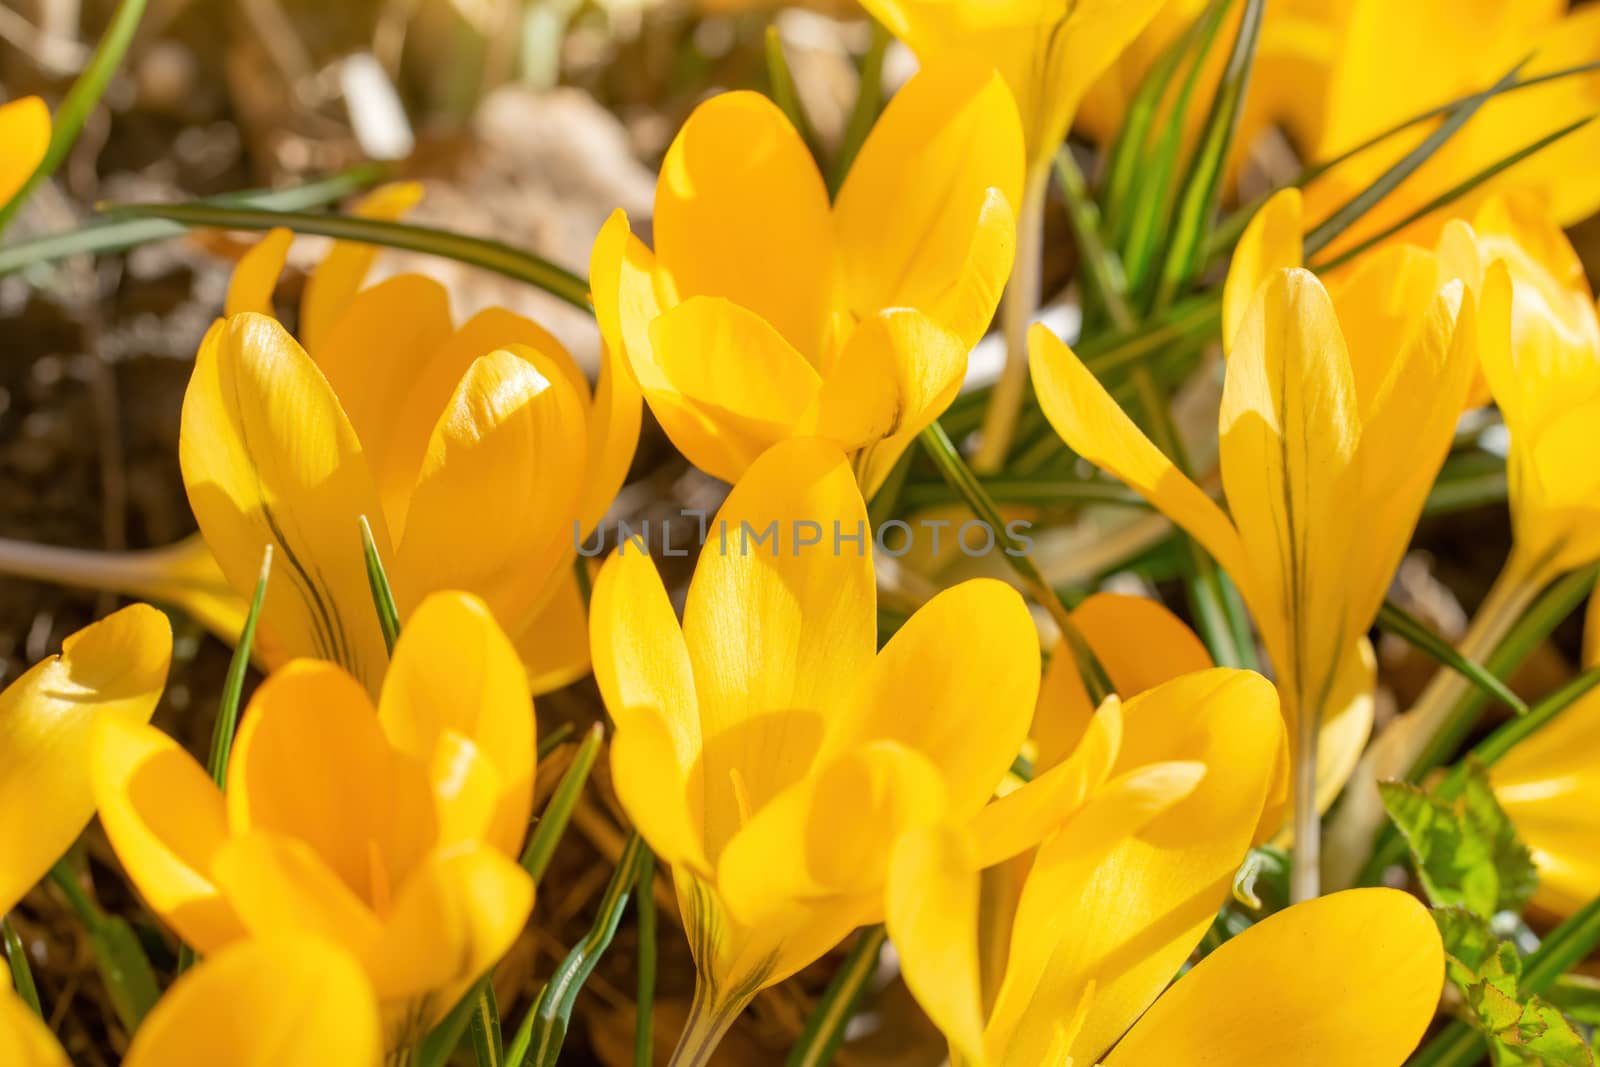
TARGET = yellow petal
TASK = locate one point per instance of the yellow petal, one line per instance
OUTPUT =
(742, 213)
(25, 131)
(25, 1041)
(312, 762)
(641, 665)
(778, 631)
(972, 646)
(1092, 425)
(456, 673)
(897, 373)
(254, 280)
(614, 420)
(916, 224)
(384, 343)
(1550, 784)
(628, 293)
(269, 458)
(278, 885)
(1138, 641)
(167, 822)
(1290, 429)
(509, 445)
(1270, 243)
(829, 835)
(284, 999)
(339, 276)
(1130, 922)
(728, 385)
(932, 915)
(554, 647)
(1343, 979)
(113, 669)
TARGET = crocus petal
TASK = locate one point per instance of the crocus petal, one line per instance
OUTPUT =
(1349, 978)
(255, 278)
(383, 343)
(830, 834)
(269, 459)
(509, 444)
(916, 224)
(728, 385)
(1550, 786)
(641, 665)
(312, 762)
(285, 999)
(932, 915)
(1093, 426)
(1290, 429)
(25, 131)
(114, 669)
(1270, 243)
(554, 647)
(166, 821)
(340, 274)
(897, 373)
(456, 673)
(1139, 643)
(779, 628)
(277, 884)
(25, 1041)
(742, 213)
(972, 646)
(1132, 920)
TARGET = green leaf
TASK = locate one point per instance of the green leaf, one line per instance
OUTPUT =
(1101, 266)
(645, 995)
(1467, 852)
(825, 1026)
(558, 811)
(1265, 870)
(1394, 619)
(382, 594)
(488, 1045)
(477, 251)
(869, 103)
(69, 119)
(117, 235)
(118, 953)
(1578, 997)
(544, 1029)
(21, 973)
(227, 723)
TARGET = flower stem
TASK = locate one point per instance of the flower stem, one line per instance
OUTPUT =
(709, 1020)
(1016, 312)
(1305, 870)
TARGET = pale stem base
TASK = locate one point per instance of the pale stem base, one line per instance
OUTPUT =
(1021, 300)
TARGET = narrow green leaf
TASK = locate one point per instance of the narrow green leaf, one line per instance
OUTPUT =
(69, 119)
(1346, 216)
(548, 743)
(117, 235)
(477, 251)
(1578, 997)
(869, 104)
(937, 444)
(436, 1049)
(488, 1045)
(227, 723)
(1101, 266)
(825, 1026)
(21, 972)
(544, 1029)
(784, 91)
(645, 999)
(119, 955)
(382, 594)
(1394, 619)
(558, 812)
(1202, 189)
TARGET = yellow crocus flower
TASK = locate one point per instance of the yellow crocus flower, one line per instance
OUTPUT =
(476, 453)
(114, 669)
(1309, 430)
(764, 313)
(762, 747)
(25, 133)
(285, 999)
(388, 831)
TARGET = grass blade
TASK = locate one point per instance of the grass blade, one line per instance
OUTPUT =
(784, 91)
(227, 723)
(1101, 265)
(544, 1029)
(824, 1029)
(645, 999)
(558, 812)
(869, 103)
(124, 968)
(1394, 619)
(21, 973)
(118, 235)
(477, 251)
(488, 1044)
(68, 121)
(382, 595)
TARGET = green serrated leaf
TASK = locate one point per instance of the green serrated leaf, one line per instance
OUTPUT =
(1513, 863)
(1468, 942)
(1540, 1036)
(1455, 862)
